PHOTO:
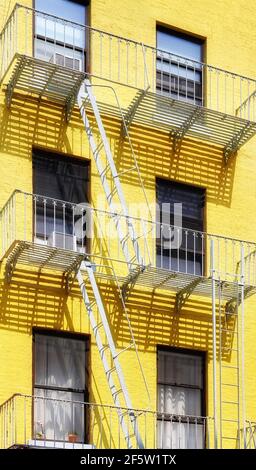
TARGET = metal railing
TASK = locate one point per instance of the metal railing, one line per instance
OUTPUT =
(79, 227)
(125, 61)
(42, 421)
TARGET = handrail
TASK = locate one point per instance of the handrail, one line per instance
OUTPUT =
(116, 214)
(132, 41)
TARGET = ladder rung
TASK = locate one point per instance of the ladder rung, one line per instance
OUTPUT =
(232, 438)
(97, 327)
(109, 371)
(104, 348)
(230, 367)
(228, 420)
(117, 392)
(230, 402)
(229, 385)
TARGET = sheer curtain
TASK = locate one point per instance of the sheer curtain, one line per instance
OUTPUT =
(180, 384)
(60, 375)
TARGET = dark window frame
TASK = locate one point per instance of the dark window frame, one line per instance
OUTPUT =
(44, 153)
(64, 334)
(189, 352)
(195, 254)
(177, 86)
(86, 50)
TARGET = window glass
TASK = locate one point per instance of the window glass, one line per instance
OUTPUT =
(71, 11)
(179, 249)
(180, 44)
(181, 76)
(57, 41)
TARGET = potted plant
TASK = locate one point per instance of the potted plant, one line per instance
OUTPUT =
(72, 437)
(40, 431)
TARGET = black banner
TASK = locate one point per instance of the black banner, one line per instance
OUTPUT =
(31, 458)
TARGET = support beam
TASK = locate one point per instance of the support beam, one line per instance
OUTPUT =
(179, 134)
(183, 295)
(131, 281)
(72, 98)
(71, 273)
(14, 79)
(12, 261)
(237, 140)
(128, 117)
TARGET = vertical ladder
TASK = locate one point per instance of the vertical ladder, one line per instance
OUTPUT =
(130, 247)
(229, 376)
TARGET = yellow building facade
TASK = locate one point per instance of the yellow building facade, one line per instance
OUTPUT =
(158, 116)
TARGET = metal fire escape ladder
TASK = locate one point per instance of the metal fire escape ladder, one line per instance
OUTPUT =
(104, 144)
(228, 352)
(229, 375)
(127, 418)
(129, 243)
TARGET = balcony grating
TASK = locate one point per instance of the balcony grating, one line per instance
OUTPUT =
(179, 118)
(182, 119)
(56, 83)
(68, 262)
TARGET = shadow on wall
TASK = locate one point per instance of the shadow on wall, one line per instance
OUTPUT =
(28, 122)
(34, 298)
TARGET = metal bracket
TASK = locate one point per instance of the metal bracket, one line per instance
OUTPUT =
(12, 261)
(231, 148)
(70, 274)
(128, 118)
(11, 85)
(183, 295)
(179, 134)
(71, 99)
(232, 304)
(131, 281)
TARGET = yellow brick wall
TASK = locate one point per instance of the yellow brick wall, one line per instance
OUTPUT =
(231, 197)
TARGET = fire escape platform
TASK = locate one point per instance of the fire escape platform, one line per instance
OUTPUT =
(155, 278)
(181, 119)
(42, 257)
(43, 79)
(184, 284)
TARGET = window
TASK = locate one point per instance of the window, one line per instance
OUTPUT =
(187, 254)
(179, 69)
(65, 179)
(60, 382)
(180, 400)
(57, 41)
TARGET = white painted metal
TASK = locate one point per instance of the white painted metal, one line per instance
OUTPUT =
(215, 415)
(85, 93)
(116, 393)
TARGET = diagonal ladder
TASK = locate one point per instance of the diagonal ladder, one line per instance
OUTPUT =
(130, 247)
(127, 418)
(86, 96)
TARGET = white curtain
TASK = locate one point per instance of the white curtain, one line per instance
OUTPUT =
(59, 362)
(179, 393)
